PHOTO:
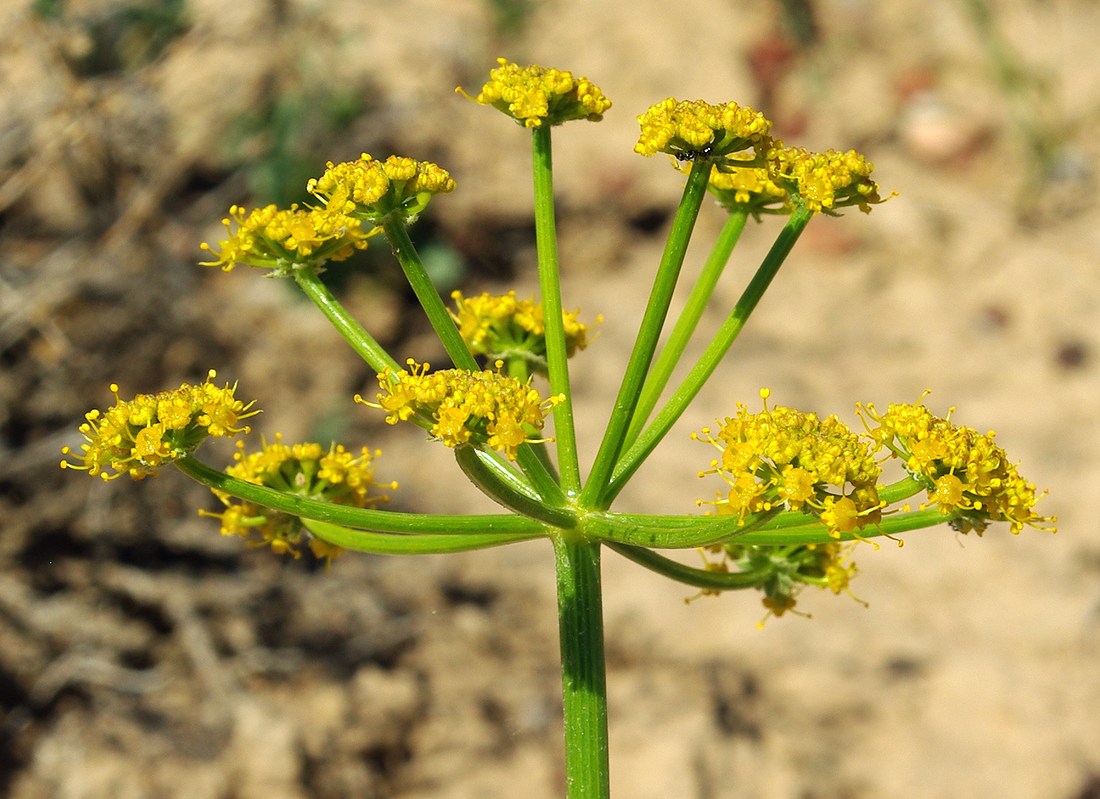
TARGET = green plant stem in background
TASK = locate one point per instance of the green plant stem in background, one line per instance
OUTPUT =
(425, 544)
(583, 671)
(550, 288)
(425, 291)
(700, 578)
(492, 486)
(688, 320)
(650, 330)
(354, 334)
(378, 521)
(710, 358)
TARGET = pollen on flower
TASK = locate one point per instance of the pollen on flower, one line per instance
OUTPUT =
(308, 470)
(781, 457)
(824, 181)
(459, 406)
(138, 436)
(287, 239)
(502, 325)
(967, 475)
(534, 95)
(375, 191)
(688, 129)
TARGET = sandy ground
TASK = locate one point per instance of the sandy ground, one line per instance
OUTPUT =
(141, 655)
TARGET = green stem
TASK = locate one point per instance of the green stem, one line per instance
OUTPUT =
(709, 360)
(426, 293)
(540, 471)
(550, 288)
(456, 348)
(354, 334)
(689, 318)
(677, 532)
(700, 578)
(490, 484)
(650, 330)
(379, 521)
(396, 544)
(583, 670)
(815, 532)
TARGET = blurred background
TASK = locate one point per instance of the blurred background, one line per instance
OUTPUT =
(142, 655)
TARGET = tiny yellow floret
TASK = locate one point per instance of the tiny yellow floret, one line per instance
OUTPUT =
(136, 437)
(287, 239)
(781, 457)
(534, 95)
(504, 326)
(968, 476)
(824, 181)
(375, 191)
(459, 406)
(693, 129)
(308, 470)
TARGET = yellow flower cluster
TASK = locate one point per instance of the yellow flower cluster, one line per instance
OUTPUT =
(308, 470)
(534, 95)
(784, 571)
(285, 239)
(748, 187)
(138, 436)
(374, 190)
(692, 129)
(964, 471)
(773, 178)
(463, 406)
(825, 180)
(503, 326)
(783, 457)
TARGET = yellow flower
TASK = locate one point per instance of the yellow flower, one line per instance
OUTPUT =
(287, 239)
(534, 95)
(307, 470)
(965, 472)
(782, 572)
(783, 457)
(375, 190)
(138, 436)
(503, 326)
(458, 406)
(693, 129)
(824, 181)
(747, 187)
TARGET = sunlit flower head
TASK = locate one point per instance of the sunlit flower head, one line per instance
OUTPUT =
(750, 188)
(375, 191)
(966, 473)
(692, 129)
(306, 470)
(136, 437)
(785, 458)
(287, 239)
(534, 95)
(504, 326)
(458, 406)
(824, 181)
(781, 572)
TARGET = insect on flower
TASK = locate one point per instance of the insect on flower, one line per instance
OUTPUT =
(694, 155)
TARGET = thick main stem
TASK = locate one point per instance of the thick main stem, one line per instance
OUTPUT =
(583, 670)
